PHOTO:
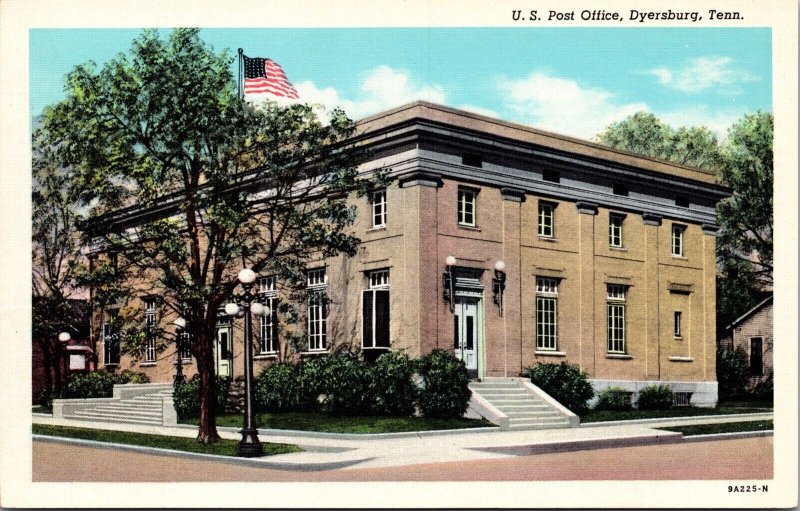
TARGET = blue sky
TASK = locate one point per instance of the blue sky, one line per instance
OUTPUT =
(569, 80)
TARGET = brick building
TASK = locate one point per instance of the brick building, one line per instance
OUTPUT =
(510, 246)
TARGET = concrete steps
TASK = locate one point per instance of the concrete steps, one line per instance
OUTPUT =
(520, 406)
(142, 405)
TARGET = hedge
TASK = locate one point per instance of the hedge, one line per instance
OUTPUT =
(98, 384)
(186, 397)
(445, 392)
(614, 399)
(566, 383)
(655, 397)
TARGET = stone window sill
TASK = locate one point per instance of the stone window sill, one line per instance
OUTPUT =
(618, 249)
(545, 353)
(147, 364)
(679, 257)
(265, 356)
(377, 229)
(549, 239)
(680, 359)
(184, 361)
(619, 356)
(469, 227)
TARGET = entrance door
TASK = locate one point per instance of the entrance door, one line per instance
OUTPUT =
(223, 352)
(465, 333)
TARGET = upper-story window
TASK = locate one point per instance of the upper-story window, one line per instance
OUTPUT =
(545, 219)
(466, 207)
(111, 343)
(269, 320)
(615, 230)
(379, 209)
(678, 232)
(677, 324)
(317, 310)
(150, 329)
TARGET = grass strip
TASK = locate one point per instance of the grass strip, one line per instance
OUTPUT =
(725, 427)
(222, 448)
(333, 424)
(627, 415)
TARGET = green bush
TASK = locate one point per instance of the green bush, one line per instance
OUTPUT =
(614, 399)
(276, 388)
(655, 397)
(345, 386)
(309, 382)
(733, 373)
(392, 389)
(98, 384)
(566, 383)
(445, 385)
(763, 390)
(187, 397)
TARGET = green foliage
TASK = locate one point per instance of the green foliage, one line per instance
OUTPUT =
(566, 383)
(655, 397)
(763, 390)
(276, 388)
(614, 399)
(344, 386)
(643, 133)
(187, 397)
(445, 385)
(733, 373)
(97, 384)
(392, 388)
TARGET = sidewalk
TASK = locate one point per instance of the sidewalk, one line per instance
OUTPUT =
(327, 451)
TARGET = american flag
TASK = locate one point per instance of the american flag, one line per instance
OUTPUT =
(266, 76)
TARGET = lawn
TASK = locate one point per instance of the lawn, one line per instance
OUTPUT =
(723, 409)
(333, 424)
(726, 427)
(223, 448)
(42, 409)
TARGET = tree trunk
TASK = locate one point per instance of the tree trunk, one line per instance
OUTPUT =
(207, 431)
(44, 346)
(57, 363)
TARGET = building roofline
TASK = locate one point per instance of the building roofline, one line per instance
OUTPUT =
(525, 134)
(736, 322)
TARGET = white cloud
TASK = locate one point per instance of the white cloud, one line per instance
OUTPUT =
(716, 121)
(702, 73)
(381, 88)
(564, 106)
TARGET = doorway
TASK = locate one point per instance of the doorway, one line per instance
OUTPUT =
(223, 352)
(467, 330)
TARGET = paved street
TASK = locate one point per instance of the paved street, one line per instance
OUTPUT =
(746, 458)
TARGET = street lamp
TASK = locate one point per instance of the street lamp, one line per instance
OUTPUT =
(180, 326)
(499, 284)
(64, 337)
(449, 293)
(249, 445)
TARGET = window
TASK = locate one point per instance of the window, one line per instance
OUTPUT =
(551, 175)
(150, 329)
(375, 311)
(615, 230)
(379, 209)
(111, 338)
(677, 323)
(756, 356)
(317, 310)
(615, 307)
(546, 219)
(185, 342)
(546, 314)
(466, 207)
(269, 322)
(677, 239)
(472, 160)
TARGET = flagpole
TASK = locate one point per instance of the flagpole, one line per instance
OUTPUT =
(241, 54)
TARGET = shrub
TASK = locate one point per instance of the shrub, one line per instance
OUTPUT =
(615, 399)
(309, 382)
(276, 388)
(566, 383)
(445, 385)
(187, 397)
(733, 372)
(98, 384)
(345, 386)
(763, 390)
(655, 397)
(392, 389)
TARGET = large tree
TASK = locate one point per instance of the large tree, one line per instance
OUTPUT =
(56, 252)
(743, 162)
(216, 184)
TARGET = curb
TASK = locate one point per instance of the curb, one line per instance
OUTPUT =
(728, 436)
(668, 437)
(657, 420)
(354, 436)
(233, 460)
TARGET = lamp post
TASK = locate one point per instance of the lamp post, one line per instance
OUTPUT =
(180, 326)
(249, 445)
(499, 284)
(449, 285)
